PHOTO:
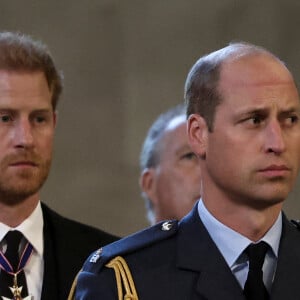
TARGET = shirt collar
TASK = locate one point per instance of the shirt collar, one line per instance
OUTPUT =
(31, 228)
(221, 234)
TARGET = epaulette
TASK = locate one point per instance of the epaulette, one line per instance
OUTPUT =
(129, 244)
(296, 223)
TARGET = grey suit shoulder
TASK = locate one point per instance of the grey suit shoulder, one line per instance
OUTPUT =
(130, 244)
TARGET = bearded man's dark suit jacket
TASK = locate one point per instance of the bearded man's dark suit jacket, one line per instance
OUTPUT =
(67, 244)
(183, 263)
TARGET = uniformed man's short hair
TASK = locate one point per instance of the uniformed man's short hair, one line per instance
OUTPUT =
(201, 92)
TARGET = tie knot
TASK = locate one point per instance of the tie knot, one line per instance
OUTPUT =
(13, 239)
(256, 254)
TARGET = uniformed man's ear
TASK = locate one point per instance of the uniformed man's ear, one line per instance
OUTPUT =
(148, 184)
(55, 115)
(197, 134)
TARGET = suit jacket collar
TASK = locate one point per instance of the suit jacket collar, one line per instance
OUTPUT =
(286, 281)
(197, 252)
(51, 282)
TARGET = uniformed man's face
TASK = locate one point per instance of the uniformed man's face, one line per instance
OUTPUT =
(27, 124)
(176, 180)
(252, 156)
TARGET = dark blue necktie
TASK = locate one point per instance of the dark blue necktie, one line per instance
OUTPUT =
(254, 287)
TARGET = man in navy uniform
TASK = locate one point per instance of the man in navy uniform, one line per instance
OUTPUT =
(243, 123)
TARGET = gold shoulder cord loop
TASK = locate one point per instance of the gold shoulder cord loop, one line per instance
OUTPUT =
(124, 276)
(73, 288)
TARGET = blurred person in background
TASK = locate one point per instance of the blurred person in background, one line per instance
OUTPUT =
(170, 171)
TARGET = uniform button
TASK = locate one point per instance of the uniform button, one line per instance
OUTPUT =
(166, 226)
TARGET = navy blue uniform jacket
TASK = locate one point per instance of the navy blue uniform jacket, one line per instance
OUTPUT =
(183, 263)
(67, 244)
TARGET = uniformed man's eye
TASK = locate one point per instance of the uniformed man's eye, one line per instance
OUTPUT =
(293, 119)
(5, 118)
(289, 120)
(255, 120)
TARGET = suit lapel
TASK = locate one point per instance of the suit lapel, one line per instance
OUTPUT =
(50, 288)
(286, 281)
(197, 252)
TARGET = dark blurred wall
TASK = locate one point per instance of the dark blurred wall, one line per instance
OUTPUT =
(124, 63)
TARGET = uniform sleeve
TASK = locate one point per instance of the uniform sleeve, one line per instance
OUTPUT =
(92, 286)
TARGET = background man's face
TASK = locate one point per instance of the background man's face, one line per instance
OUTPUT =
(177, 177)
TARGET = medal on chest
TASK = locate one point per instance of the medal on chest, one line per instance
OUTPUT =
(16, 291)
(7, 267)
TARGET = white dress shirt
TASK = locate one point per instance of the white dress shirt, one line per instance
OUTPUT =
(232, 244)
(32, 229)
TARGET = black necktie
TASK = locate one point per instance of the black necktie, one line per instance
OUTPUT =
(254, 287)
(13, 239)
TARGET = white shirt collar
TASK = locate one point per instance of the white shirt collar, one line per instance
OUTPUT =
(221, 234)
(32, 229)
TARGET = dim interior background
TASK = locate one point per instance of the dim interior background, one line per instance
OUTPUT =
(125, 62)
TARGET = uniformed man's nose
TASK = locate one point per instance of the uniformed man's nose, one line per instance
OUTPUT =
(274, 138)
(23, 135)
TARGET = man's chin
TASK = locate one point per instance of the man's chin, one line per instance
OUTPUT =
(268, 201)
(13, 198)
(14, 195)
(16, 188)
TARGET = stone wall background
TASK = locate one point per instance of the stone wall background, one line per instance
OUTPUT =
(124, 63)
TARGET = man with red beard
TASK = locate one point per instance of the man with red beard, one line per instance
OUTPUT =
(30, 86)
